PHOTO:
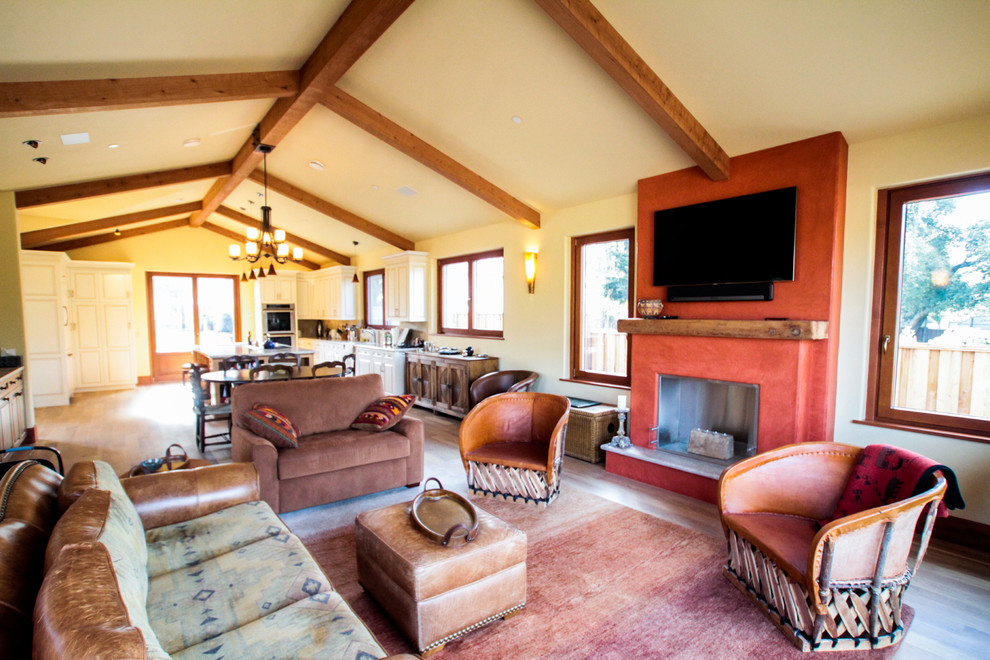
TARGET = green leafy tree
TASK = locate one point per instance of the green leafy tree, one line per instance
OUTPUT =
(946, 268)
(617, 271)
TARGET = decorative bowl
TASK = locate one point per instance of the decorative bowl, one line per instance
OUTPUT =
(649, 309)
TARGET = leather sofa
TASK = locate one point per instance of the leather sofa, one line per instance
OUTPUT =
(333, 462)
(173, 565)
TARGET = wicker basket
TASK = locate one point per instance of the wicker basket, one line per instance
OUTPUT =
(589, 428)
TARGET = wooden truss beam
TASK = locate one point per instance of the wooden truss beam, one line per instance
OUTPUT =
(77, 243)
(247, 220)
(361, 24)
(388, 131)
(586, 25)
(33, 239)
(330, 209)
(73, 191)
(24, 99)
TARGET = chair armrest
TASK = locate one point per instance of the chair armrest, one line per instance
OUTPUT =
(804, 479)
(848, 550)
(166, 498)
(247, 447)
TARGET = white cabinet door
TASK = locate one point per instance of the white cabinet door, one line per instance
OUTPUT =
(103, 325)
(362, 362)
(405, 286)
(286, 289)
(46, 326)
(304, 299)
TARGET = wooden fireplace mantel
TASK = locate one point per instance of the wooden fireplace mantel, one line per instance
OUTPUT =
(800, 330)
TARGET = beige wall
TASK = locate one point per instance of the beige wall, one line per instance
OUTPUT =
(12, 318)
(536, 326)
(954, 149)
(183, 250)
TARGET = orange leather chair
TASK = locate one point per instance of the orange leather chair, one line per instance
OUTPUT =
(497, 382)
(512, 445)
(832, 587)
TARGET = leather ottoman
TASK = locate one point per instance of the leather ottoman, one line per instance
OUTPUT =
(433, 593)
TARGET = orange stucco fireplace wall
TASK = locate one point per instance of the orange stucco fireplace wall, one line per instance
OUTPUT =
(797, 378)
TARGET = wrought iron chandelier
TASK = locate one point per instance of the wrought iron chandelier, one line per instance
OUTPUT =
(268, 242)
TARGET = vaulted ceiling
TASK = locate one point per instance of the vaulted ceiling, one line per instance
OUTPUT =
(437, 116)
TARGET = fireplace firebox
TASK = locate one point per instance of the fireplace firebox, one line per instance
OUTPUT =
(711, 409)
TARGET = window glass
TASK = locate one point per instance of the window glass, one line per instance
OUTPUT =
(374, 298)
(216, 310)
(488, 298)
(602, 281)
(174, 316)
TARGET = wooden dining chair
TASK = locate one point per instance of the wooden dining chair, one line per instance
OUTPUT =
(273, 369)
(330, 365)
(349, 360)
(206, 411)
(235, 362)
(284, 358)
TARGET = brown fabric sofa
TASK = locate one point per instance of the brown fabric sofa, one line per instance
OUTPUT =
(333, 462)
(96, 567)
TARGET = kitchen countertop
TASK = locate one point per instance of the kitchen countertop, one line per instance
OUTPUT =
(221, 351)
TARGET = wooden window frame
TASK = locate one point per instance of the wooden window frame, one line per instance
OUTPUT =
(886, 276)
(469, 331)
(366, 275)
(578, 242)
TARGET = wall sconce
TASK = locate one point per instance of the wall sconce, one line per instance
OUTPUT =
(529, 259)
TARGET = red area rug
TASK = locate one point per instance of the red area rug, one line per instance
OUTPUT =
(604, 582)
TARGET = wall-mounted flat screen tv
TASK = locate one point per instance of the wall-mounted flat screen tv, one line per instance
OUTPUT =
(736, 240)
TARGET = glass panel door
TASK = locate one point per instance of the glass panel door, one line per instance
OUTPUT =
(174, 328)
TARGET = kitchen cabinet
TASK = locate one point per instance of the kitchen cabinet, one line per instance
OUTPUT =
(278, 289)
(44, 294)
(102, 325)
(405, 287)
(304, 298)
(12, 413)
(443, 382)
(387, 362)
(332, 293)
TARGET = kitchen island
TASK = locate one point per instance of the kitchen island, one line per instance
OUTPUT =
(212, 355)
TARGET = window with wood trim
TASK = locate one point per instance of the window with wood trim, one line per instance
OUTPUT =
(374, 298)
(930, 339)
(470, 294)
(602, 280)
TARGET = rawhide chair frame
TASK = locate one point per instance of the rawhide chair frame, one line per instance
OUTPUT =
(834, 587)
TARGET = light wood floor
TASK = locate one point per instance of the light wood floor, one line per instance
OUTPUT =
(950, 594)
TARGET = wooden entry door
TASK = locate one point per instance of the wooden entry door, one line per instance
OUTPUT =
(187, 310)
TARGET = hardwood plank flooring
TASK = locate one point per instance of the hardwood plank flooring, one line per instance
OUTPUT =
(950, 594)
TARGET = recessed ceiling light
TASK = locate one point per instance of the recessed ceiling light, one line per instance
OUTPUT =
(34, 144)
(516, 119)
(40, 159)
(375, 188)
(113, 146)
(316, 165)
(75, 138)
(191, 142)
(406, 191)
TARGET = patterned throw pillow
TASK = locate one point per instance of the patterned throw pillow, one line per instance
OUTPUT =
(272, 425)
(384, 413)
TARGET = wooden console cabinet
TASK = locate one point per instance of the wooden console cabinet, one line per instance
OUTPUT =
(443, 382)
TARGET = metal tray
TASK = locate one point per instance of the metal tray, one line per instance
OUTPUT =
(444, 516)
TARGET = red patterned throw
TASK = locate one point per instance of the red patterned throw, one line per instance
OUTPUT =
(885, 474)
(384, 413)
(272, 425)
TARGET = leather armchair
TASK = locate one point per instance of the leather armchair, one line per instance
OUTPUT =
(512, 445)
(832, 586)
(497, 382)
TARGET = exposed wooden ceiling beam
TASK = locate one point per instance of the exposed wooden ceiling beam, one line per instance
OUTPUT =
(233, 235)
(23, 99)
(359, 26)
(73, 191)
(586, 25)
(32, 239)
(227, 212)
(388, 131)
(332, 210)
(77, 243)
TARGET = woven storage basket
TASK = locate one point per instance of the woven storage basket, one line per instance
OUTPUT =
(589, 428)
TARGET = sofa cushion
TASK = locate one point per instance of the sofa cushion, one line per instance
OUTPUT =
(88, 608)
(272, 425)
(322, 626)
(384, 413)
(194, 604)
(327, 452)
(194, 541)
